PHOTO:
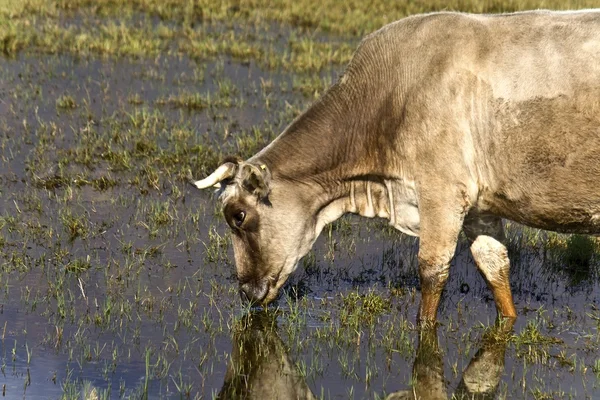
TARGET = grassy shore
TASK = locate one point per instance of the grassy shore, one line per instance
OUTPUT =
(145, 28)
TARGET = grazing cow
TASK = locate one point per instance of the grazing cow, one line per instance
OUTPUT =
(441, 122)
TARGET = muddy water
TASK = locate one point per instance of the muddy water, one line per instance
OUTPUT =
(129, 288)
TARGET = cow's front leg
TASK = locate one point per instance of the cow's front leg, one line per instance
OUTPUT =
(440, 225)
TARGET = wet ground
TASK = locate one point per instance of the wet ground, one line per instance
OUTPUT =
(116, 276)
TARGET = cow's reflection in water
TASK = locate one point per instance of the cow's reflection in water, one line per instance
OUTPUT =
(260, 367)
(480, 379)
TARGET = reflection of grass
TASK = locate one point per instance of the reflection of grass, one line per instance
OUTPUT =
(533, 345)
(197, 101)
(596, 368)
(76, 226)
(579, 251)
(359, 309)
(572, 256)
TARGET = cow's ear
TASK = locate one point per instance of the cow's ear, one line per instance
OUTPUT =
(255, 179)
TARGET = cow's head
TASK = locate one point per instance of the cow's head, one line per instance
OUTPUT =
(272, 221)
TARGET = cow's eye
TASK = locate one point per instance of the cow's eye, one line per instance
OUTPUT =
(238, 219)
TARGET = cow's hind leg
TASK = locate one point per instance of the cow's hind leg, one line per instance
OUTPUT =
(486, 235)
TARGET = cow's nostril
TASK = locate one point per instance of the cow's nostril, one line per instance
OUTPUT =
(253, 292)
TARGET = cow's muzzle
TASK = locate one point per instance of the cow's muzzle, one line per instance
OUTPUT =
(254, 292)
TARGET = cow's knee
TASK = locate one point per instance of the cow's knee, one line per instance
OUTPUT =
(491, 257)
(492, 261)
(433, 274)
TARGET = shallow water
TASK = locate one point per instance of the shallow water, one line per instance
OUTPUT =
(129, 287)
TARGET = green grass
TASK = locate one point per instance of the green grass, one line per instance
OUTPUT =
(34, 24)
(65, 102)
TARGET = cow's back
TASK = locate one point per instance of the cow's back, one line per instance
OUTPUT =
(507, 104)
(542, 142)
(522, 93)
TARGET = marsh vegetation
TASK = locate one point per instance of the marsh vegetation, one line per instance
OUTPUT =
(116, 277)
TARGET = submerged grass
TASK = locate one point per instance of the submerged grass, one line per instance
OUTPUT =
(363, 309)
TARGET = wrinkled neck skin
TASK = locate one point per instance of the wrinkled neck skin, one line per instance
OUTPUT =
(346, 152)
(340, 168)
(348, 158)
(374, 196)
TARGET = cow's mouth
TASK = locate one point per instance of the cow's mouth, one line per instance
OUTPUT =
(263, 291)
(255, 292)
(271, 295)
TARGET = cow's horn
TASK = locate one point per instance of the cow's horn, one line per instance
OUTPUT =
(225, 171)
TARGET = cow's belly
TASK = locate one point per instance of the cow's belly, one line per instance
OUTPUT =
(542, 165)
(561, 214)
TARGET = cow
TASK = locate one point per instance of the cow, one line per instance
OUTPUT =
(440, 123)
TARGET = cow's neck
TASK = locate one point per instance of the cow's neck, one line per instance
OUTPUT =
(373, 196)
(344, 152)
(370, 198)
(338, 137)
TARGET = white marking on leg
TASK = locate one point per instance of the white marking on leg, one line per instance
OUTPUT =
(352, 198)
(370, 211)
(388, 185)
(491, 257)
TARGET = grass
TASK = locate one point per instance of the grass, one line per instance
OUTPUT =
(363, 309)
(34, 24)
(65, 102)
(119, 275)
